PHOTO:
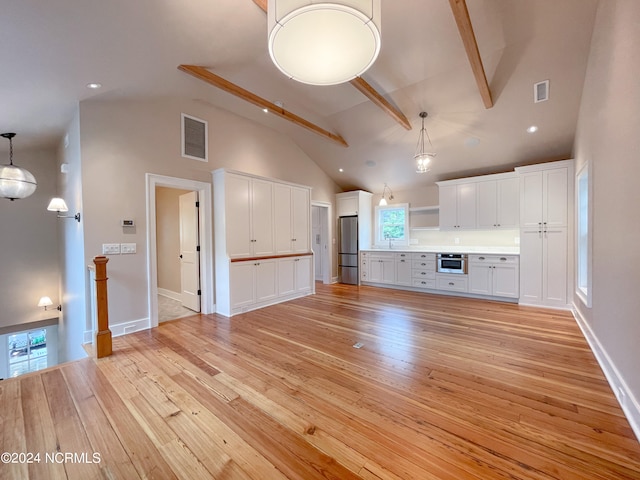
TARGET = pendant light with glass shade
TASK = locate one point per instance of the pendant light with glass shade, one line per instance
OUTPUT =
(422, 157)
(15, 182)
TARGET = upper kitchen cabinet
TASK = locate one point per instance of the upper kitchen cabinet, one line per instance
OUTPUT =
(357, 203)
(292, 205)
(248, 215)
(498, 201)
(458, 204)
(545, 190)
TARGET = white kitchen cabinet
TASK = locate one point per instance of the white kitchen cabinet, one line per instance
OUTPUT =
(403, 269)
(252, 282)
(423, 270)
(494, 275)
(498, 202)
(249, 231)
(294, 275)
(452, 282)
(357, 203)
(457, 205)
(546, 203)
(292, 216)
(382, 268)
(250, 212)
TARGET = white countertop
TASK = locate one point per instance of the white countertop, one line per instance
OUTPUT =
(450, 249)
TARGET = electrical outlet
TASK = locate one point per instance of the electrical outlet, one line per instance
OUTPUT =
(127, 248)
(456, 240)
(111, 249)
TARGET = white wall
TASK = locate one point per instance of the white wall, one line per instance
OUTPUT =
(74, 280)
(608, 141)
(123, 140)
(28, 241)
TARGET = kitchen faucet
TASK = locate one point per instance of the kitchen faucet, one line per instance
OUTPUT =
(388, 237)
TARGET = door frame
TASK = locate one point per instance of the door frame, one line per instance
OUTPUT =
(205, 218)
(326, 233)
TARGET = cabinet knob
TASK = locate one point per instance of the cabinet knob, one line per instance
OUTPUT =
(451, 283)
(480, 258)
(423, 273)
(503, 259)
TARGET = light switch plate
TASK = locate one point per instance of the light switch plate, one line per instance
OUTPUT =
(111, 249)
(127, 248)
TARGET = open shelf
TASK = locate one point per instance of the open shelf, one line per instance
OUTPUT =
(428, 209)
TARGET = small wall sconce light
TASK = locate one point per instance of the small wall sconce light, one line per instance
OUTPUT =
(59, 205)
(383, 201)
(46, 302)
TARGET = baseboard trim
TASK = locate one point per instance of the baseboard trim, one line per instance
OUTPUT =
(170, 294)
(624, 395)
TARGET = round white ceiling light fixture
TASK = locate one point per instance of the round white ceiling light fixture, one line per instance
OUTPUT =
(323, 43)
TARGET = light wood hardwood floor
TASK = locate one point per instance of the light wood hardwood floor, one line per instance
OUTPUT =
(442, 388)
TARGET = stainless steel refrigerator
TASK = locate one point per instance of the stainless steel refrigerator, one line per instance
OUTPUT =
(348, 252)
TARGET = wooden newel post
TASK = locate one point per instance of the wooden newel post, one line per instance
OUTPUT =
(103, 337)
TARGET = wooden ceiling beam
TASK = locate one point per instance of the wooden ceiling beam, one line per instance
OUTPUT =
(461, 14)
(366, 89)
(211, 78)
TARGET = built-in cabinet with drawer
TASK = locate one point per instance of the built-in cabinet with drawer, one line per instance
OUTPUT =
(378, 267)
(403, 268)
(266, 222)
(452, 282)
(546, 200)
(494, 275)
(423, 270)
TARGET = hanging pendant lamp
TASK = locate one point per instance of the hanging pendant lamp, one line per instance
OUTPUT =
(422, 157)
(323, 42)
(15, 182)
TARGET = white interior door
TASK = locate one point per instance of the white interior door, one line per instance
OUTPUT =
(189, 255)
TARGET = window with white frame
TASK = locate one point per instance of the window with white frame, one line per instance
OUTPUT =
(28, 350)
(392, 225)
(583, 254)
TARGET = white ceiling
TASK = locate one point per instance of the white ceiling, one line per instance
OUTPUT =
(52, 49)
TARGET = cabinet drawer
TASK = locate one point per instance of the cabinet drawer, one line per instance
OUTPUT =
(453, 283)
(424, 283)
(424, 265)
(402, 255)
(429, 274)
(505, 259)
(423, 256)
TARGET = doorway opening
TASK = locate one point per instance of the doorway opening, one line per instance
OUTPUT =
(320, 228)
(179, 246)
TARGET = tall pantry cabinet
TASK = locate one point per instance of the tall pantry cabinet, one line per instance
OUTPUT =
(262, 241)
(546, 206)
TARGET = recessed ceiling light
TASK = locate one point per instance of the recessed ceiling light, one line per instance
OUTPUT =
(265, 110)
(94, 86)
(370, 163)
(532, 129)
(472, 142)
(341, 170)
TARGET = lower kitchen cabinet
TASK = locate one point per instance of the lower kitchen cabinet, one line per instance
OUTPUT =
(252, 282)
(382, 268)
(266, 281)
(403, 269)
(452, 282)
(494, 275)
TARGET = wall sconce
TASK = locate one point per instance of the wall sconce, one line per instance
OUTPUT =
(383, 201)
(46, 302)
(59, 205)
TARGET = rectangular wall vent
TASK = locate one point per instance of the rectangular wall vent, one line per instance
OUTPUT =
(541, 91)
(195, 142)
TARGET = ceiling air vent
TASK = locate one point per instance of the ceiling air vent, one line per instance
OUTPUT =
(541, 91)
(194, 138)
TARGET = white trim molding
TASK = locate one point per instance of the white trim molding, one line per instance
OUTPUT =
(624, 395)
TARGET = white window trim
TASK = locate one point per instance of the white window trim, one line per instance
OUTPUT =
(382, 242)
(52, 346)
(585, 294)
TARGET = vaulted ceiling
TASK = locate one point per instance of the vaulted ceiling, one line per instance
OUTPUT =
(52, 50)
